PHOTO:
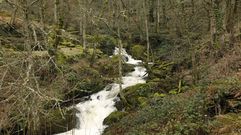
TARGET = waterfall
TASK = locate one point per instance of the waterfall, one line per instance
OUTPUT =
(93, 112)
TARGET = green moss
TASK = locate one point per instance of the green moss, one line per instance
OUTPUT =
(182, 114)
(67, 43)
(142, 101)
(58, 121)
(107, 66)
(85, 79)
(104, 42)
(137, 51)
(74, 51)
(136, 95)
(114, 117)
(173, 92)
(159, 95)
(140, 89)
(61, 58)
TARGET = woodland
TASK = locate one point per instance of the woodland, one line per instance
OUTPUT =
(55, 54)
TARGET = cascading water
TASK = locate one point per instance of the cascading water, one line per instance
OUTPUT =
(93, 112)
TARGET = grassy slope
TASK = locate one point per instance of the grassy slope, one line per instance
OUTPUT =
(186, 113)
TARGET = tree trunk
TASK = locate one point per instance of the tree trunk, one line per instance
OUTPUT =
(42, 22)
(84, 25)
(31, 124)
(151, 11)
(164, 16)
(212, 24)
(147, 32)
(58, 26)
(194, 65)
(120, 60)
(13, 18)
(231, 11)
(84, 33)
(56, 4)
(92, 61)
(41, 13)
(193, 6)
(158, 17)
(118, 11)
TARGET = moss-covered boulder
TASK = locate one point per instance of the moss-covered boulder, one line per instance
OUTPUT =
(58, 121)
(114, 117)
(107, 67)
(136, 95)
(161, 69)
(137, 51)
(83, 81)
(105, 43)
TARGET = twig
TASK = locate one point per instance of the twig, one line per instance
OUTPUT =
(34, 2)
(1, 83)
(13, 4)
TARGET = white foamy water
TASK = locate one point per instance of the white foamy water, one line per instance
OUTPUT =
(93, 112)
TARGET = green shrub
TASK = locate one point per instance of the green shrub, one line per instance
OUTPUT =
(138, 51)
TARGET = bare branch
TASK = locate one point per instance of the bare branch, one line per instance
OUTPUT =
(1, 83)
(34, 2)
(13, 4)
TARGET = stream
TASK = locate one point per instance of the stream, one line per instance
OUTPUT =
(100, 105)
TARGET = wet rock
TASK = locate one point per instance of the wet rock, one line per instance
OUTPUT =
(120, 105)
(124, 58)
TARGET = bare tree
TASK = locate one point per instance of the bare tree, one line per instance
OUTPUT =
(147, 31)
(82, 21)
